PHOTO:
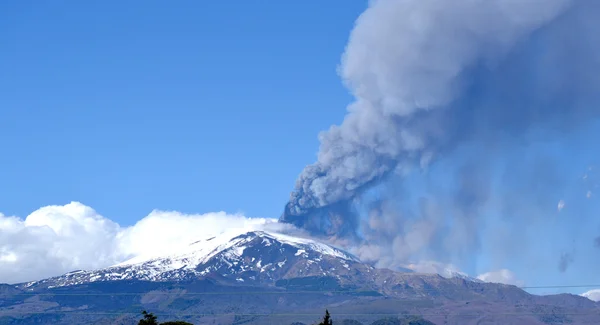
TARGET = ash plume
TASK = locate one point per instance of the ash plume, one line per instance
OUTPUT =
(565, 260)
(430, 76)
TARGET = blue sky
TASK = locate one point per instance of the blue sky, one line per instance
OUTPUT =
(194, 106)
(205, 106)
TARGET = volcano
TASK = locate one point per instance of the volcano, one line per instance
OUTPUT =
(255, 277)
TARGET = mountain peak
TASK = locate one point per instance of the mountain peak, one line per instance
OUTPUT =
(242, 256)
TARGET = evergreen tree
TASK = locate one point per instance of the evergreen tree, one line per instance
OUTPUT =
(326, 319)
(148, 319)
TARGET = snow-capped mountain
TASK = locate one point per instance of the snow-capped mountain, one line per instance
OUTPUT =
(238, 256)
(237, 267)
(243, 257)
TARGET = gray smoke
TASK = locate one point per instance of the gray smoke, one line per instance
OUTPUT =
(431, 75)
(597, 241)
(565, 260)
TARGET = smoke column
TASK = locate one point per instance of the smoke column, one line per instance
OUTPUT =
(431, 75)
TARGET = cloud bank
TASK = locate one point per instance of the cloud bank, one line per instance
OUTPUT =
(58, 239)
(593, 295)
(501, 276)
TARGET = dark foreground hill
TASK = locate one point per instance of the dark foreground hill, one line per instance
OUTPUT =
(265, 278)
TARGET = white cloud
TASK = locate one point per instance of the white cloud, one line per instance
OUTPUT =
(593, 295)
(445, 270)
(163, 232)
(57, 239)
(501, 276)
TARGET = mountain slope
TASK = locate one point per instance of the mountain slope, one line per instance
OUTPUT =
(255, 256)
(251, 277)
(260, 258)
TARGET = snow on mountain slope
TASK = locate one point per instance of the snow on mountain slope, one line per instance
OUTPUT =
(449, 273)
(240, 256)
(236, 254)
